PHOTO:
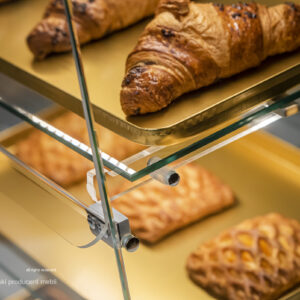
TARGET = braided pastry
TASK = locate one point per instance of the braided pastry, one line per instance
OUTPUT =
(258, 259)
(60, 163)
(190, 45)
(93, 18)
(155, 210)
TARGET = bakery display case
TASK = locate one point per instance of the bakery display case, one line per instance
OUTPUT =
(260, 173)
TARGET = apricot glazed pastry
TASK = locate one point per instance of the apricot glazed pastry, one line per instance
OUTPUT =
(189, 45)
(258, 259)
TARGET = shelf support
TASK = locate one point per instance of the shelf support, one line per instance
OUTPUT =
(97, 159)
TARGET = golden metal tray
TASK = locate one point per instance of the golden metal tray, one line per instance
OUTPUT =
(263, 180)
(104, 62)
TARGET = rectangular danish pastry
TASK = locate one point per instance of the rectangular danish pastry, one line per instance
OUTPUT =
(60, 163)
(258, 259)
(155, 210)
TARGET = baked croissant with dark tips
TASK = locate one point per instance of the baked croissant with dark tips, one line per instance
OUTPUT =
(190, 45)
(93, 18)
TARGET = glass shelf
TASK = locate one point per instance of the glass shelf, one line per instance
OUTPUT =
(136, 167)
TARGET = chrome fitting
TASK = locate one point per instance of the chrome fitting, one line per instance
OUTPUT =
(165, 175)
(130, 242)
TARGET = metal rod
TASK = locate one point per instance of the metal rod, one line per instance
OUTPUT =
(96, 153)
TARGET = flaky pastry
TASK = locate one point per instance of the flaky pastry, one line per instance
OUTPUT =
(258, 259)
(155, 210)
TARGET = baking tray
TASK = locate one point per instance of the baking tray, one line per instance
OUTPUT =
(263, 172)
(104, 63)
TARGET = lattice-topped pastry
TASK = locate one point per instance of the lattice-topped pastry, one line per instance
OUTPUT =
(256, 260)
(62, 164)
(155, 210)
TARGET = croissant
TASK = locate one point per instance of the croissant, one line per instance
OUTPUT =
(93, 19)
(60, 163)
(258, 259)
(155, 210)
(190, 45)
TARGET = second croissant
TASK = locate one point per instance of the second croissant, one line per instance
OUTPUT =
(93, 18)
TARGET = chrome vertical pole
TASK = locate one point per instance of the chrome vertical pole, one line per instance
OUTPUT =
(100, 175)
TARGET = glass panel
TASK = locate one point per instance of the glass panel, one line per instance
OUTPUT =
(202, 151)
(65, 217)
(136, 167)
(190, 147)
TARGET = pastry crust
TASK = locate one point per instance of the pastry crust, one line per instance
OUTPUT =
(258, 259)
(60, 163)
(155, 210)
(190, 45)
(93, 18)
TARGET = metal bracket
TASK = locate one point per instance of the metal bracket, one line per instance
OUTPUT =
(97, 224)
(293, 107)
(290, 110)
(165, 175)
